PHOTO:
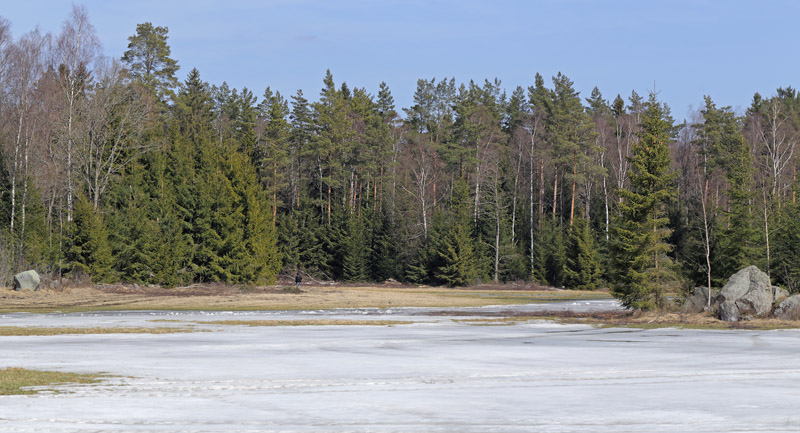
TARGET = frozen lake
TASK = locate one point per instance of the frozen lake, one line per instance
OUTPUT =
(435, 375)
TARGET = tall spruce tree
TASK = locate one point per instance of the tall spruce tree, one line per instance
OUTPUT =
(733, 238)
(739, 244)
(641, 270)
(255, 256)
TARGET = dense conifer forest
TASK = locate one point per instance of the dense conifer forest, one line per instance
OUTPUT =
(134, 169)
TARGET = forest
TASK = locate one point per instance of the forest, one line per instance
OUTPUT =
(125, 170)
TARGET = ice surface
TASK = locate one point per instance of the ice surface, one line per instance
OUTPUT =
(436, 375)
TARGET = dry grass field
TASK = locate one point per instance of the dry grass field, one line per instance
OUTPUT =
(234, 298)
(628, 319)
(316, 297)
(21, 381)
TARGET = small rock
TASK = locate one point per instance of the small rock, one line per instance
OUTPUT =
(698, 300)
(789, 308)
(779, 294)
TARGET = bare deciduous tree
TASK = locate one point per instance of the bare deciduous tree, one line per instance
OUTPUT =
(77, 47)
(25, 69)
(112, 120)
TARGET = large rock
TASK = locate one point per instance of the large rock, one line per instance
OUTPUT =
(779, 294)
(698, 300)
(747, 294)
(789, 308)
(28, 280)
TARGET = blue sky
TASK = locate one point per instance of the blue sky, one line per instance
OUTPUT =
(686, 48)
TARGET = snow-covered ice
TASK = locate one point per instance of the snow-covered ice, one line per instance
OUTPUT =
(436, 375)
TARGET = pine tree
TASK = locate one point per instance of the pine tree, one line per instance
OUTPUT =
(640, 269)
(300, 151)
(570, 130)
(148, 58)
(273, 149)
(582, 269)
(334, 128)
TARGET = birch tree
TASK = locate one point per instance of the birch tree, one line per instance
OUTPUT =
(77, 47)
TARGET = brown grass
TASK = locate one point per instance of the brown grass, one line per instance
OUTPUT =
(220, 297)
(631, 319)
(18, 331)
(232, 298)
(20, 381)
(314, 322)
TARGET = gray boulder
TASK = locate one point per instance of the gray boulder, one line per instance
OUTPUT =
(747, 294)
(779, 294)
(28, 280)
(789, 308)
(698, 300)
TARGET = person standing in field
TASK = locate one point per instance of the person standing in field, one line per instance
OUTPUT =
(297, 279)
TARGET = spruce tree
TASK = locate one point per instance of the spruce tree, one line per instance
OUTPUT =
(133, 234)
(640, 269)
(723, 148)
(582, 269)
(553, 253)
(456, 251)
(458, 257)
(383, 260)
(88, 250)
(426, 260)
(738, 244)
(33, 233)
(255, 258)
(355, 250)
(786, 253)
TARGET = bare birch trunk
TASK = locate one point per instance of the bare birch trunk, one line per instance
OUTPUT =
(766, 231)
(555, 193)
(707, 241)
(572, 204)
(605, 199)
(274, 191)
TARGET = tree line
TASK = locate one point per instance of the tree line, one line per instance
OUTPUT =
(115, 169)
